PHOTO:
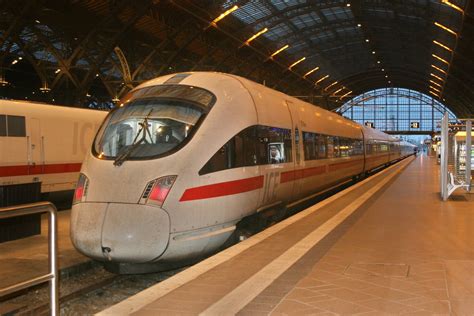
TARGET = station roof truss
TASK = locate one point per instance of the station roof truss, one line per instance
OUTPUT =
(325, 51)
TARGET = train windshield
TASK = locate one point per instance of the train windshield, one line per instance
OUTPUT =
(151, 124)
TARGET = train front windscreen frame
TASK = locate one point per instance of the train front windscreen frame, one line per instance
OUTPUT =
(153, 122)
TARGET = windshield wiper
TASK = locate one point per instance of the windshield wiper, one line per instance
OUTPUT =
(144, 131)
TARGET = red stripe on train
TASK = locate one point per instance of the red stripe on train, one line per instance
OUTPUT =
(302, 173)
(222, 189)
(24, 170)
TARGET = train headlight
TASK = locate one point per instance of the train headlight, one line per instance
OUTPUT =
(81, 189)
(157, 190)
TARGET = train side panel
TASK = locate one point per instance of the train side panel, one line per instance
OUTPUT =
(52, 148)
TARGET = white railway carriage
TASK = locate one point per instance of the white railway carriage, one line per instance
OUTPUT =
(42, 147)
(187, 156)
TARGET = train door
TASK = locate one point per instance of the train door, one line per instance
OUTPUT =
(35, 159)
(298, 124)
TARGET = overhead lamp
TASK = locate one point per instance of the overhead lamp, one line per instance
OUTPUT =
(389, 81)
(323, 78)
(437, 77)
(440, 59)
(348, 5)
(435, 83)
(310, 72)
(296, 63)
(452, 5)
(386, 76)
(383, 69)
(223, 15)
(373, 52)
(337, 91)
(435, 89)
(435, 94)
(447, 29)
(45, 88)
(367, 40)
(279, 51)
(332, 84)
(443, 46)
(345, 95)
(359, 25)
(439, 69)
(57, 71)
(247, 42)
(15, 62)
(378, 61)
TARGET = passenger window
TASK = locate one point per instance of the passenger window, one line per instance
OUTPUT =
(274, 145)
(16, 126)
(330, 146)
(337, 150)
(358, 147)
(310, 146)
(255, 145)
(3, 125)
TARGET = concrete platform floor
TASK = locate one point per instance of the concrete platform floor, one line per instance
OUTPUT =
(410, 254)
(402, 252)
(25, 258)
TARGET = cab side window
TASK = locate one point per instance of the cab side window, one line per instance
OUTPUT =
(255, 145)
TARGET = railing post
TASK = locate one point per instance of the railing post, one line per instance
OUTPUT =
(52, 276)
(53, 263)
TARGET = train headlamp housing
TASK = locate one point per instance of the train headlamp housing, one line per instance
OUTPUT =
(80, 192)
(157, 190)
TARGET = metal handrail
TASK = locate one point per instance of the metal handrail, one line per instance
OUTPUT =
(52, 276)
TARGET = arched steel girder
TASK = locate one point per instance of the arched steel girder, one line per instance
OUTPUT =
(16, 25)
(107, 49)
(63, 66)
(369, 81)
(39, 69)
(410, 75)
(382, 93)
(292, 12)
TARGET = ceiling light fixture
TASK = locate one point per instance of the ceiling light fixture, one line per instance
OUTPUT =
(443, 46)
(310, 72)
(447, 29)
(440, 59)
(435, 83)
(279, 51)
(223, 15)
(345, 95)
(296, 63)
(437, 77)
(435, 94)
(452, 5)
(323, 78)
(435, 89)
(253, 37)
(332, 84)
(337, 91)
(439, 69)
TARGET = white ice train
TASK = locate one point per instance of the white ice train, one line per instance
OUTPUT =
(42, 147)
(187, 156)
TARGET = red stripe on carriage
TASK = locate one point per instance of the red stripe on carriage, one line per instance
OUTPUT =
(345, 164)
(222, 189)
(301, 173)
(24, 170)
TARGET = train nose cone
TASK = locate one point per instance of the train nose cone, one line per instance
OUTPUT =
(131, 233)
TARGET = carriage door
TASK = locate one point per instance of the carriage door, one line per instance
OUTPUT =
(35, 159)
(298, 125)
